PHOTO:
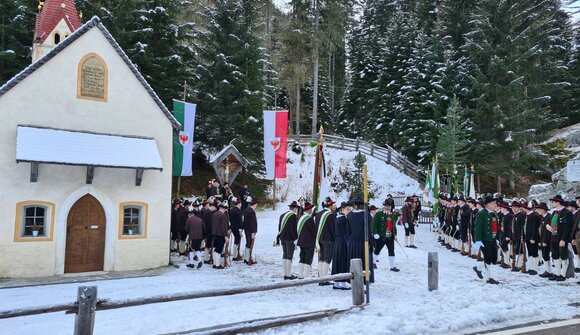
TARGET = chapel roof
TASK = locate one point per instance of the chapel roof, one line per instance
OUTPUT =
(51, 13)
(93, 22)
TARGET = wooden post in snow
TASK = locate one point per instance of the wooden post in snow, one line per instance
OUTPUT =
(433, 271)
(85, 317)
(357, 282)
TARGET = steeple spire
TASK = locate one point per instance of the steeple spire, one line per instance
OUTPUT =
(56, 20)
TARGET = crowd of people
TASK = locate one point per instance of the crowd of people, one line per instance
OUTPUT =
(336, 234)
(203, 230)
(517, 234)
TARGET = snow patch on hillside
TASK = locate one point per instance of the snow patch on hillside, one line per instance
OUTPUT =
(300, 175)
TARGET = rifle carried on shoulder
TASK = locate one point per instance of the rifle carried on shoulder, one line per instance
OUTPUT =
(525, 257)
(250, 258)
(227, 253)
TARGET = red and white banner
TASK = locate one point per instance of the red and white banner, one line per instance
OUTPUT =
(275, 143)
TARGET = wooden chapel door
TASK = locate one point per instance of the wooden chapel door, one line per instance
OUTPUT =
(85, 237)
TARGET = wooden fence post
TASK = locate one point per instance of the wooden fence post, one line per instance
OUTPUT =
(85, 318)
(372, 150)
(357, 283)
(389, 155)
(433, 270)
(357, 144)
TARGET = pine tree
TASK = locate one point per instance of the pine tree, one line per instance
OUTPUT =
(453, 145)
(512, 50)
(230, 77)
(17, 19)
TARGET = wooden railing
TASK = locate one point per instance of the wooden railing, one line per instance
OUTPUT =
(87, 303)
(385, 153)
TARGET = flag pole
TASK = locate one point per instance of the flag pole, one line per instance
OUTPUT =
(366, 230)
(179, 177)
(274, 193)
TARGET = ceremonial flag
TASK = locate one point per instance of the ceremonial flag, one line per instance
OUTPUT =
(427, 193)
(466, 182)
(275, 143)
(434, 194)
(320, 185)
(472, 183)
(184, 112)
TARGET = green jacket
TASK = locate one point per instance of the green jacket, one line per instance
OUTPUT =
(379, 224)
(483, 221)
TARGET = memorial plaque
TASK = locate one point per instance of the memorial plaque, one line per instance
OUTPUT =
(573, 170)
(92, 79)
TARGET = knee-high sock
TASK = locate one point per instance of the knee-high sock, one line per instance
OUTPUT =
(406, 241)
(564, 268)
(190, 257)
(577, 261)
(216, 259)
(412, 239)
(235, 255)
(548, 266)
(307, 270)
(558, 263)
(392, 261)
(301, 270)
(199, 256)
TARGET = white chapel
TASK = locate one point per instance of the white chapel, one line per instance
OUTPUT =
(85, 165)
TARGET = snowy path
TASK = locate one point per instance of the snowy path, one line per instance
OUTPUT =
(400, 302)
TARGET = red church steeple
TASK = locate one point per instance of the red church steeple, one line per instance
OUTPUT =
(55, 20)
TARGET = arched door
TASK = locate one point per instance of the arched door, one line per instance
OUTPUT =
(85, 236)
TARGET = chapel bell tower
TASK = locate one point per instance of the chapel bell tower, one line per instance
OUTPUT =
(55, 21)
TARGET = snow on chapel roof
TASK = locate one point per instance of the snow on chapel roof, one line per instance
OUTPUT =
(51, 14)
(69, 147)
(93, 22)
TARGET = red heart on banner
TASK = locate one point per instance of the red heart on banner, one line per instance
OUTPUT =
(183, 137)
(275, 143)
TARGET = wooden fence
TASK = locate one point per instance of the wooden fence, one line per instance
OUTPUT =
(384, 153)
(87, 303)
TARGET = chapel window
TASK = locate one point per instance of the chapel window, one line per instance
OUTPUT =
(133, 220)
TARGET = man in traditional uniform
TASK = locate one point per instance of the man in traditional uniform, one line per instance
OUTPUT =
(441, 218)
(464, 218)
(573, 207)
(220, 232)
(545, 236)
(325, 237)
(288, 235)
(306, 241)
(486, 232)
(576, 236)
(236, 226)
(449, 225)
(356, 239)
(505, 235)
(409, 223)
(531, 237)
(196, 232)
(416, 208)
(518, 223)
(207, 220)
(250, 225)
(340, 263)
(385, 232)
(560, 227)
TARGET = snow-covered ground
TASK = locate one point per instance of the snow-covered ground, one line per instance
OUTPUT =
(400, 302)
(385, 178)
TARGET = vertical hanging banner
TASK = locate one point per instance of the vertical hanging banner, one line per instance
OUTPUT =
(320, 185)
(275, 143)
(184, 112)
